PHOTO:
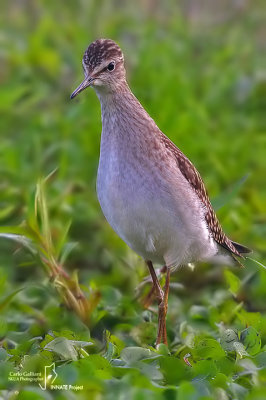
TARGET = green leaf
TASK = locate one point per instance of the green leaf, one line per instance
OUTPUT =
(162, 349)
(5, 212)
(248, 318)
(261, 360)
(240, 349)
(41, 209)
(100, 366)
(228, 338)
(186, 391)
(19, 230)
(6, 300)
(204, 369)
(174, 370)
(66, 250)
(111, 351)
(239, 391)
(220, 380)
(133, 354)
(119, 344)
(233, 281)
(251, 340)
(208, 348)
(151, 370)
(22, 240)
(257, 262)
(65, 348)
(62, 241)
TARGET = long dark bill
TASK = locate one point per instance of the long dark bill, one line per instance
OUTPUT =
(86, 83)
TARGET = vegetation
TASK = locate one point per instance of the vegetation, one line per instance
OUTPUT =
(71, 292)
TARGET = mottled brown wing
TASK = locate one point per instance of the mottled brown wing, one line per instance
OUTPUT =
(194, 178)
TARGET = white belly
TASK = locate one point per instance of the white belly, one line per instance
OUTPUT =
(160, 224)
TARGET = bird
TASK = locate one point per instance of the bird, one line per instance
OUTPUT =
(149, 191)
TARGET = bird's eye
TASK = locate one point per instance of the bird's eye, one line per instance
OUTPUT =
(111, 66)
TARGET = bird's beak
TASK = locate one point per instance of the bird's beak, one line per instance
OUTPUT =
(86, 83)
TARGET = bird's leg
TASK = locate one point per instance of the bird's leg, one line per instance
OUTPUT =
(152, 293)
(163, 303)
(148, 299)
(156, 283)
(163, 307)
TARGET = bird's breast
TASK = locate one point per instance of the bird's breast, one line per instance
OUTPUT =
(142, 206)
(120, 185)
(127, 194)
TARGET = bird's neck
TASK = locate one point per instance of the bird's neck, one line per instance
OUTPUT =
(123, 114)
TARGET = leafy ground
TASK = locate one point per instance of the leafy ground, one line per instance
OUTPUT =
(71, 293)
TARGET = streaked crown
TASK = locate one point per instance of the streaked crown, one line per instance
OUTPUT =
(99, 51)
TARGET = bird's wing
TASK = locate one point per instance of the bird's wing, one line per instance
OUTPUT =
(193, 177)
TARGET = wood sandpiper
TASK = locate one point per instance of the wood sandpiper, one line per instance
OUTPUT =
(149, 191)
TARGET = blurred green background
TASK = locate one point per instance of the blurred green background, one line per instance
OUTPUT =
(198, 67)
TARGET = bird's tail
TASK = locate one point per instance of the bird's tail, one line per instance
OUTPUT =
(241, 249)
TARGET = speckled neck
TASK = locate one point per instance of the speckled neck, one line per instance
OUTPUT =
(123, 114)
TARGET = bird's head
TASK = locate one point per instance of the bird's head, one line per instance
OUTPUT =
(103, 65)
